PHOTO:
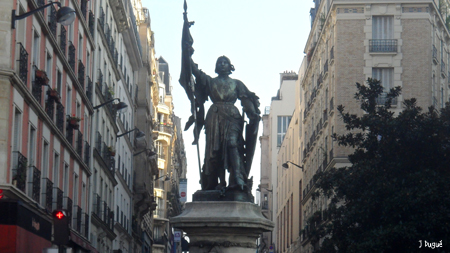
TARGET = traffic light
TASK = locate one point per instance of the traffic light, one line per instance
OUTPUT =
(60, 227)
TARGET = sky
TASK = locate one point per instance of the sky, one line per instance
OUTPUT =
(262, 39)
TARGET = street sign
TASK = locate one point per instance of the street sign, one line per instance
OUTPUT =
(183, 189)
(271, 249)
(177, 236)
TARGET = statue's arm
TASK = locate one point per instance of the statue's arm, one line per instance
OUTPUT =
(249, 102)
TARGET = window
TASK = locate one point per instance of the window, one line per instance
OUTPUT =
(48, 67)
(36, 49)
(386, 77)
(283, 123)
(383, 35)
(17, 133)
(69, 101)
(32, 146)
(55, 178)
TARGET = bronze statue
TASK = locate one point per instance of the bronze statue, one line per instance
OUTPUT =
(226, 149)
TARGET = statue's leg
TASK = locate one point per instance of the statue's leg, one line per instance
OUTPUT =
(235, 160)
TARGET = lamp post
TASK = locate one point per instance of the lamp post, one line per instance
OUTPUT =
(150, 154)
(65, 15)
(139, 135)
(121, 106)
(286, 165)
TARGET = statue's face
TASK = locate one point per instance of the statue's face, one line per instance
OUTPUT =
(223, 66)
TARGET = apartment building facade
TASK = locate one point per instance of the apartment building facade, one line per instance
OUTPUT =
(275, 123)
(401, 43)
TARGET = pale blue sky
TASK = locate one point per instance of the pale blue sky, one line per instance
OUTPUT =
(262, 39)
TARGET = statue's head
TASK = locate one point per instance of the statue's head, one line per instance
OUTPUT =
(223, 65)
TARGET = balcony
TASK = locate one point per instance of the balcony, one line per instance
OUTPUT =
(47, 194)
(72, 56)
(60, 117)
(69, 135)
(166, 129)
(81, 73)
(108, 216)
(108, 34)
(101, 19)
(99, 82)
(86, 225)
(83, 8)
(62, 39)
(435, 59)
(97, 205)
(383, 46)
(160, 213)
(52, 20)
(34, 183)
(265, 205)
(23, 63)
(68, 206)
(98, 143)
(77, 219)
(36, 90)
(120, 15)
(50, 105)
(19, 170)
(58, 201)
(91, 23)
(87, 154)
(79, 146)
(89, 89)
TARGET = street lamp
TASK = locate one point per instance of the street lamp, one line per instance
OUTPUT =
(286, 165)
(151, 154)
(121, 107)
(65, 15)
(260, 187)
(167, 177)
(139, 135)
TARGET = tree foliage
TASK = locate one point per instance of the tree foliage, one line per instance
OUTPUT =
(397, 190)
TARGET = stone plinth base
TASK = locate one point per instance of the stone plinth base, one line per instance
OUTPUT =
(222, 226)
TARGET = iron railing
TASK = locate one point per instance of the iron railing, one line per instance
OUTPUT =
(50, 106)
(23, 63)
(81, 72)
(69, 135)
(19, 178)
(101, 19)
(60, 117)
(97, 205)
(62, 39)
(47, 193)
(383, 45)
(58, 200)
(34, 183)
(89, 89)
(83, 8)
(87, 154)
(86, 225)
(80, 144)
(52, 20)
(40, 3)
(166, 129)
(91, 23)
(72, 55)
(98, 143)
(382, 99)
(77, 220)
(99, 82)
(36, 90)
(68, 206)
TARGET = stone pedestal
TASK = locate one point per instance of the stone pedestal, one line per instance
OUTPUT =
(222, 226)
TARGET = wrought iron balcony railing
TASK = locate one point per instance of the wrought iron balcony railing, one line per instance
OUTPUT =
(86, 225)
(77, 218)
(34, 183)
(63, 39)
(36, 90)
(52, 20)
(72, 56)
(40, 3)
(382, 99)
(23, 63)
(50, 107)
(101, 19)
(91, 23)
(89, 89)
(58, 199)
(383, 45)
(83, 8)
(97, 205)
(99, 82)
(68, 205)
(69, 135)
(87, 154)
(60, 117)
(81, 73)
(19, 170)
(98, 143)
(80, 144)
(47, 194)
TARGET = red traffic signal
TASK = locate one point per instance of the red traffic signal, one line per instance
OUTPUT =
(59, 214)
